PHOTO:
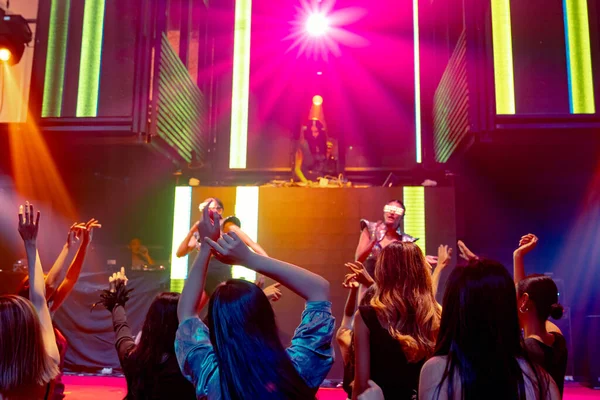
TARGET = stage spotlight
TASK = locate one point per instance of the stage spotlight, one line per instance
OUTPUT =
(15, 34)
(5, 54)
(317, 24)
(317, 100)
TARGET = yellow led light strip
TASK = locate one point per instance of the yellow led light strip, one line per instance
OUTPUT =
(182, 214)
(504, 79)
(246, 209)
(579, 57)
(240, 87)
(414, 221)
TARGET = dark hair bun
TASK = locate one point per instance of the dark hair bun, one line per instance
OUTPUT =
(556, 311)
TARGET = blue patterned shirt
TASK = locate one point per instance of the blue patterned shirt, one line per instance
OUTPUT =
(311, 350)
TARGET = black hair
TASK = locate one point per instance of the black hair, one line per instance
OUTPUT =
(252, 361)
(399, 202)
(156, 343)
(480, 336)
(543, 292)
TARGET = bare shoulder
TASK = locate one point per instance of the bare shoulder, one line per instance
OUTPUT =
(430, 378)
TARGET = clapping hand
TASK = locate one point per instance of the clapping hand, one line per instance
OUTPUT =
(444, 255)
(526, 244)
(465, 252)
(28, 228)
(230, 249)
(273, 292)
(360, 273)
(350, 281)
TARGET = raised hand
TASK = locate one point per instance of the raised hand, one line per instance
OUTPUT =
(210, 225)
(465, 252)
(73, 235)
(432, 260)
(87, 230)
(273, 292)
(28, 227)
(526, 244)
(350, 282)
(361, 274)
(444, 255)
(230, 249)
(117, 279)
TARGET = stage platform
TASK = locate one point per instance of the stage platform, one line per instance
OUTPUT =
(112, 388)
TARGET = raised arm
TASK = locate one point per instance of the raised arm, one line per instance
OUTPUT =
(188, 243)
(66, 287)
(526, 244)
(444, 257)
(298, 160)
(306, 284)
(28, 229)
(58, 271)
(191, 295)
(344, 332)
(362, 354)
(365, 245)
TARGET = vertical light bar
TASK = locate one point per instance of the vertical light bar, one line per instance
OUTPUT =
(240, 85)
(414, 221)
(417, 63)
(54, 74)
(182, 214)
(246, 209)
(504, 79)
(89, 64)
(579, 57)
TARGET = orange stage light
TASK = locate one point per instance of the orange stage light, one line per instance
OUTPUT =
(5, 54)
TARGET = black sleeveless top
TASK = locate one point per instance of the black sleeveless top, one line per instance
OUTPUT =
(552, 358)
(390, 369)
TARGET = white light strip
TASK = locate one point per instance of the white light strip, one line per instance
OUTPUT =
(246, 209)
(182, 213)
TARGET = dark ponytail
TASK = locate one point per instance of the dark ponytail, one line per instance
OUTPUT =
(556, 311)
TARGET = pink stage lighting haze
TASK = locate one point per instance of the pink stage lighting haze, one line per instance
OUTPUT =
(317, 24)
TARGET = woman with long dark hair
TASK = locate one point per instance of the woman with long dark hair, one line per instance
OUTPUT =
(29, 356)
(150, 367)
(395, 333)
(239, 354)
(537, 302)
(479, 353)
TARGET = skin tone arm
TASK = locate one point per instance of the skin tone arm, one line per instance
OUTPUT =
(310, 286)
(246, 239)
(362, 368)
(444, 258)
(189, 243)
(192, 295)
(365, 245)
(343, 334)
(59, 270)
(298, 166)
(66, 287)
(526, 244)
(28, 229)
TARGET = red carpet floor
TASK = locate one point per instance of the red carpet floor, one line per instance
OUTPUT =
(109, 388)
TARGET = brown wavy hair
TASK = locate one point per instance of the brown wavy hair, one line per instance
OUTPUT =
(404, 300)
(24, 364)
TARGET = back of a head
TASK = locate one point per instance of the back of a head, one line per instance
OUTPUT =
(404, 298)
(156, 342)
(543, 292)
(24, 363)
(479, 332)
(252, 361)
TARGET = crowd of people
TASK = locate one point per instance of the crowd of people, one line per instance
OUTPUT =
(491, 337)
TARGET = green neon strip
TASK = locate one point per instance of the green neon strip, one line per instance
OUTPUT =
(579, 57)
(240, 85)
(503, 57)
(246, 209)
(89, 64)
(417, 44)
(182, 214)
(414, 221)
(54, 75)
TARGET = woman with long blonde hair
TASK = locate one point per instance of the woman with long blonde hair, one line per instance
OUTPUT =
(395, 334)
